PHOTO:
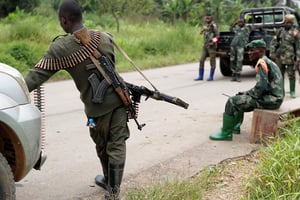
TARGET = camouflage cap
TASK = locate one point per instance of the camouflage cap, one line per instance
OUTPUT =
(257, 44)
(289, 18)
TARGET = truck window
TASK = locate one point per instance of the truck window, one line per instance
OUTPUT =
(267, 17)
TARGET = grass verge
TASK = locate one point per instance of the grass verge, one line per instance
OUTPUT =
(271, 172)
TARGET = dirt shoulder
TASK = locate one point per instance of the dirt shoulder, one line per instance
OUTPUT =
(230, 183)
(227, 185)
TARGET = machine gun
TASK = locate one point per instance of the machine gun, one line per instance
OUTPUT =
(131, 94)
(137, 91)
(125, 90)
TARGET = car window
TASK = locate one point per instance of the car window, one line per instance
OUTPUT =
(266, 17)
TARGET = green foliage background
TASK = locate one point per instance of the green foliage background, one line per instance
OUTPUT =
(154, 33)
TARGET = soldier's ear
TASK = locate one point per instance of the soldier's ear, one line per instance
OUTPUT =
(63, 20)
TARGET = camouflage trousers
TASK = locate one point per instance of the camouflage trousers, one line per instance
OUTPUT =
(208, 52)
(289, 68)
(246, 103)
(110, 135)
(236, 59)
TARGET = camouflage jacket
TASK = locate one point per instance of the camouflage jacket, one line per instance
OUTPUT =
(241, 36)
(269, 89)
(210, 31)
(286, 46)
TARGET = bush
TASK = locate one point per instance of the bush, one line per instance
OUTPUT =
(22, 55)
(24, 30)
(15, 16)
(11, 61)
(150, 45)
(8, 6)
(159, 44)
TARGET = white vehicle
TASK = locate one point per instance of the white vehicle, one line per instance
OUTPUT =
(20, 132)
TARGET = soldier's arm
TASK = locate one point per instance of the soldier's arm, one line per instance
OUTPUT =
(216, 30)
(273, 47)
(297, 45)
(261, 85)
(37, 77)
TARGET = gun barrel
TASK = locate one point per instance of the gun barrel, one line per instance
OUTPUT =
(170, 99)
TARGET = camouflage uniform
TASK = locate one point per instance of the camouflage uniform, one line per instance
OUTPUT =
(237, 49)
(268, 92)
(209, 49)
(285, 49)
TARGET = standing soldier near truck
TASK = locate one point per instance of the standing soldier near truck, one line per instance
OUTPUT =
(237, 46)
(211, 34)
(284, 50)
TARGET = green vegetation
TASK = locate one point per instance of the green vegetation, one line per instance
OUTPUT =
(177, 190)
(174, 190)
(154, 33)
(277, 175)
(278, 171)
(24, 38)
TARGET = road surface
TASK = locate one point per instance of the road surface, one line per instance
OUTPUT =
(174, 143)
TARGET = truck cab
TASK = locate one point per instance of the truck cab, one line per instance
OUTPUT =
(265, 21)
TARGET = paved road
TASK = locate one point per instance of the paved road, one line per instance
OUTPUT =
(174, 143)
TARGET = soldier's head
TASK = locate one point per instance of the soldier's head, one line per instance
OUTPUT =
(70, 16)
(208, 18)
(288, 21)
(241, 22)
(257, 49)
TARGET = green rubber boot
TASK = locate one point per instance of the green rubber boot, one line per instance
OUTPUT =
(292, 88)
(238, 120)
(226, 131)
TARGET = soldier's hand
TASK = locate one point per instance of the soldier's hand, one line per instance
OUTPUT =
(210, 44)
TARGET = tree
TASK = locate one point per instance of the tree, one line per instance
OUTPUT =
(121, 8)
(8, 6)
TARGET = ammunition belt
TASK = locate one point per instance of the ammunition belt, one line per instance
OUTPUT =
(73, 59)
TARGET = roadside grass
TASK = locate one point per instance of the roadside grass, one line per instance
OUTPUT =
(278, 172)
(25, 37)
(177, 189)
(275, 175)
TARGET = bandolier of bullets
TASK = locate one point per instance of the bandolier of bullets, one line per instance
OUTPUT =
(62, 63)
(136, 107)
(73, 59)
(39, 102)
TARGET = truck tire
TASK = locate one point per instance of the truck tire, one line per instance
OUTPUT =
(7, 183)
(225, 66)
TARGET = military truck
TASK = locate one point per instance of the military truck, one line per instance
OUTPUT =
(265, 21)
(21, 125)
